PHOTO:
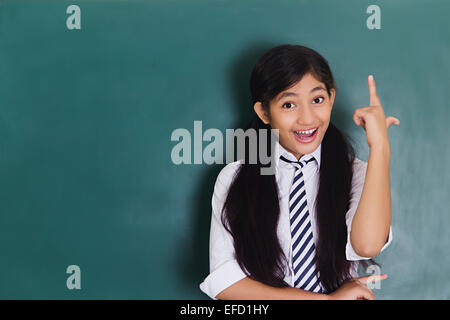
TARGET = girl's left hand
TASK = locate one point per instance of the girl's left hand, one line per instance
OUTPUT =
(373, 120)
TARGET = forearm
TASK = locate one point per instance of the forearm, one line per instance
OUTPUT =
(370, 226)
(249, 289)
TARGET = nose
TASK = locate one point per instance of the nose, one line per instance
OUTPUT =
(305, 116)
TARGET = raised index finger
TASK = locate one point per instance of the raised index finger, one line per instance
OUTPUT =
(373, 92)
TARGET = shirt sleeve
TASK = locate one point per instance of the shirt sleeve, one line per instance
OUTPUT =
(359, 175)
(223, 266)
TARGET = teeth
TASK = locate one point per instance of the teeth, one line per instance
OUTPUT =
(306, 132)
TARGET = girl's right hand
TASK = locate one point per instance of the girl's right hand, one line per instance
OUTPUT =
(356, 288)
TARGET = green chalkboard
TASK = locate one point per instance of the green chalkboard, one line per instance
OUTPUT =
(86, 117)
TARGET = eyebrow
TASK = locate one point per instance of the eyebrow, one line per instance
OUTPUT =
(289, 94)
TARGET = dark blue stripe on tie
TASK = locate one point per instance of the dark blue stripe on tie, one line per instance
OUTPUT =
(300, 277)
(284, 159)
(315, 285)
(306, 255)
(298, 162)
(308, 225)
(313, 274)
(301, 184)
(300, 210)
(298, 176)
(310, 265)
(294, 192)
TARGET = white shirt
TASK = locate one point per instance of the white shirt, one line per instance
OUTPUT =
(223, 266)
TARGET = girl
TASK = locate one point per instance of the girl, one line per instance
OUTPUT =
(299, 234)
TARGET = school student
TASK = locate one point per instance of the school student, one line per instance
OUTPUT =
(301, 232)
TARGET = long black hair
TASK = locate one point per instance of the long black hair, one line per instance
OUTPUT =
(251, 209)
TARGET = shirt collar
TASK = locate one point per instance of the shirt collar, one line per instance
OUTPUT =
(281, 151)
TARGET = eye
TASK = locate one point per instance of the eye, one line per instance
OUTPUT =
(288, 104)
(319, 98)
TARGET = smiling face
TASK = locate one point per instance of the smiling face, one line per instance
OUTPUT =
(304, 106)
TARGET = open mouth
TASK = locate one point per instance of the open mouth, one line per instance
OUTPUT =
(306, 134)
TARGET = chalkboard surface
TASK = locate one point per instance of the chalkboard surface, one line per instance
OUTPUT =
(86, 117)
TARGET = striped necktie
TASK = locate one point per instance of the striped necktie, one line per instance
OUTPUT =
(303, 248)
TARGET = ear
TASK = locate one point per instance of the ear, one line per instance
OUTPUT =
(262, 114)
(332, 96)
